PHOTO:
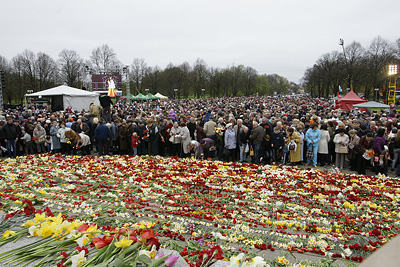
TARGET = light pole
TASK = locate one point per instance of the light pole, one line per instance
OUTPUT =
(376, 94)
(176, 91)
(147, 90)
(341, 42)
(393, 71)
(204, 92)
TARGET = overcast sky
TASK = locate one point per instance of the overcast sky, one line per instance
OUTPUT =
(272, 36)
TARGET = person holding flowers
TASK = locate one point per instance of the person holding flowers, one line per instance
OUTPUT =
(341, 141)
(313, 135)
(175, 140)
(366, 144)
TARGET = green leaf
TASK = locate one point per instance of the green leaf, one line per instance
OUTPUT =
(158, 262)
(118, 263)
(144, 259)
(131, 249)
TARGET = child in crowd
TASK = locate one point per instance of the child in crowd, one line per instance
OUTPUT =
(135, 143)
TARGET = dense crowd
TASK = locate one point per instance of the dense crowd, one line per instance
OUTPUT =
(263, 130)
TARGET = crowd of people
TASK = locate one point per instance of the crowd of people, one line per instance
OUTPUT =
(295, 130)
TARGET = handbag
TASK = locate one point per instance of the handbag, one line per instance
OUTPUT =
(247, 148)
(292, 146)
(251, 151)
(309, 153)
(172, 139)
(225, 153)
(343, 149)
(42, 139)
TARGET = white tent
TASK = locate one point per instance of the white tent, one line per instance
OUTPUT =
(162, 97)
(371, 104)
(67, 96)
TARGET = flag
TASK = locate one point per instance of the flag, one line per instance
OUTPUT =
(340, 89)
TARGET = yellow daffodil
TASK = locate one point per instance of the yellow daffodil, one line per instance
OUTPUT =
(8, 233)
(123, 243)
(83, 240)
(78, 260)
(40, 217)
(29, 223)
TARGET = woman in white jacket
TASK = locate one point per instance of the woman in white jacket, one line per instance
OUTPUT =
(323, 150)
(175, 139)
(341, 141)
(185, 139)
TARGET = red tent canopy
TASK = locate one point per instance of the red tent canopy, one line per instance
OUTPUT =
(349, 100)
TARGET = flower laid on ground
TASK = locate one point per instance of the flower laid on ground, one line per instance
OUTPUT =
(203, 209)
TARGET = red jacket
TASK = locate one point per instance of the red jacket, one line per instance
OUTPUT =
(135, 141)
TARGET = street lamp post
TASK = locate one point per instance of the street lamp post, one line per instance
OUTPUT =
(376, 94)
(393, 71)
(176, 91)
(147, 90)
(341, 42)
(204, 92)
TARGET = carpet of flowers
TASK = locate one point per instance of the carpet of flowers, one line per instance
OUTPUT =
(119, 210)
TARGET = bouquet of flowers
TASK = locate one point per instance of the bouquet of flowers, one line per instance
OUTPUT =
(219, 131)
(368, 154)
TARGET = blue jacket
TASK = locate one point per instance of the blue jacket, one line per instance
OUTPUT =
(101, 133)
(313, 135)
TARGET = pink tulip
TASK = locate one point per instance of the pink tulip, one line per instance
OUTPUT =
(171, 260)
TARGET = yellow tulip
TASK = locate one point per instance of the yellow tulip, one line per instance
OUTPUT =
(123, 243)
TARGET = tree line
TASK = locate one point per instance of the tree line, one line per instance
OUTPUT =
(358, 68)
(29, 72)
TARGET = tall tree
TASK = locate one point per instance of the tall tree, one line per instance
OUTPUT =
(200, 76)
(104, 58)
(153, 78)
(46, 69)
(7, 92)
(216, 81)
(250, 81)
(138, 72)
(28, 59)
(378, 56)
(70, 67)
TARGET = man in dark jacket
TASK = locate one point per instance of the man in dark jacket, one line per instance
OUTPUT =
(257, 136)
(142, 134)
(102, 135)
(11, 133)
(366, 143)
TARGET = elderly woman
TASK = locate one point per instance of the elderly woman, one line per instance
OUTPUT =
(55, 141)
(175, 139)
(323, 150)
(184, 136)
(230, 142)
(313, 135)
(341, 141)
(39, 136)
(293, 136)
